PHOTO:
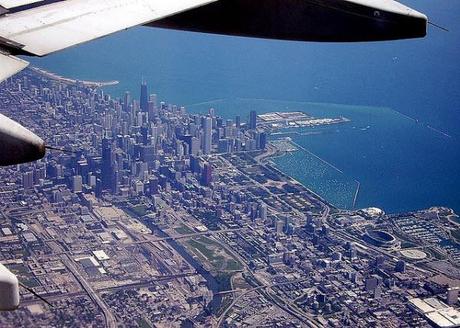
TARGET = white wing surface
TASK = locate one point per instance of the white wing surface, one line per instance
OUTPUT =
(10, 65)
(8, 4)
(56, 26)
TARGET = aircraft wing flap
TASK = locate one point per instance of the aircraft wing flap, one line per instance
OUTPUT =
(8, 4)
(53, 27)
(10, 65)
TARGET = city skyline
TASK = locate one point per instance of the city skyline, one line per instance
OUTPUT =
(148, 224)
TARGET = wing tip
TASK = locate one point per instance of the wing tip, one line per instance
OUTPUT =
(10, 65)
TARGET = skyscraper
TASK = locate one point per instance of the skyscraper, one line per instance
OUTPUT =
(263, 140)
(207, 135)
(263, 211)
(452, 295)
(28, 180)
(107, 159)
(127, 101)
(194, 146)
(206, 176)
(144, 100)
(253, 120)
(238, 122)
(77, 182)
(145, 135)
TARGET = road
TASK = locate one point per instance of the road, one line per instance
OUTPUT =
(140, 284)
(186, 236)
(110, 320)
(286, 307)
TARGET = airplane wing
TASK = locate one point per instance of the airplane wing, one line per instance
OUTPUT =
(304, 20)
(9, 4)
(41, 27)
(10, 65)
(52, 27)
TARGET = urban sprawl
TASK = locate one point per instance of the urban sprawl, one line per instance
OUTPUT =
(156, 217)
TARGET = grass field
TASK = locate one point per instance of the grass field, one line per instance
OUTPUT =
(212, 253)
(183, 230)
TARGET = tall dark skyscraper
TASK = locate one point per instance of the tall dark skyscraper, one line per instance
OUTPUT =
(253, 120)
(263, 140)
(206, 175)
(107, 159)
(144, 100)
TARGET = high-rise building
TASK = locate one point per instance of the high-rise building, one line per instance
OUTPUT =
(145, 135)
(139, 188)
(115, 180)
(263, 211)
(77, 184)
(153, 186)
(127, 101)
(263, 140)
(223, 146)
(144, 100)
(279, 224)
(207, 135)
(452, 295)
(83, 169)
(56, 196)
(106, 165)
(194, 164)
(194, 146)
(98, 187)
(153, 110)
(28, 180)
(253, 120)
(206, 176)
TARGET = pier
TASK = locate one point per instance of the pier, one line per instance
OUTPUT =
(356, 194)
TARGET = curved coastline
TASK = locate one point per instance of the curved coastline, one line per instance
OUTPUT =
(54, 76)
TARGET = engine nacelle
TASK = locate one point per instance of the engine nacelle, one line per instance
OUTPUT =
(9, 290)
(17, 144)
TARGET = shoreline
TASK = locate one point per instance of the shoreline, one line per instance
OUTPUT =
(268, 161)
(54, 76)
(357, 191)
(280, 153)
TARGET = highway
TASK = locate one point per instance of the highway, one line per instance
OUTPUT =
(110, 320)
(141, 284)
(186, 236)
(309, 320)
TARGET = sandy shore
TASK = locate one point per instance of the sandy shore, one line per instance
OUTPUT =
(73, 81)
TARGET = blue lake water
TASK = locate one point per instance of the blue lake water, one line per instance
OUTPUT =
(400, 163)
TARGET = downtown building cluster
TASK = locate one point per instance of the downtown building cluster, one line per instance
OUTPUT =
(139, 146)
(153, 216)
